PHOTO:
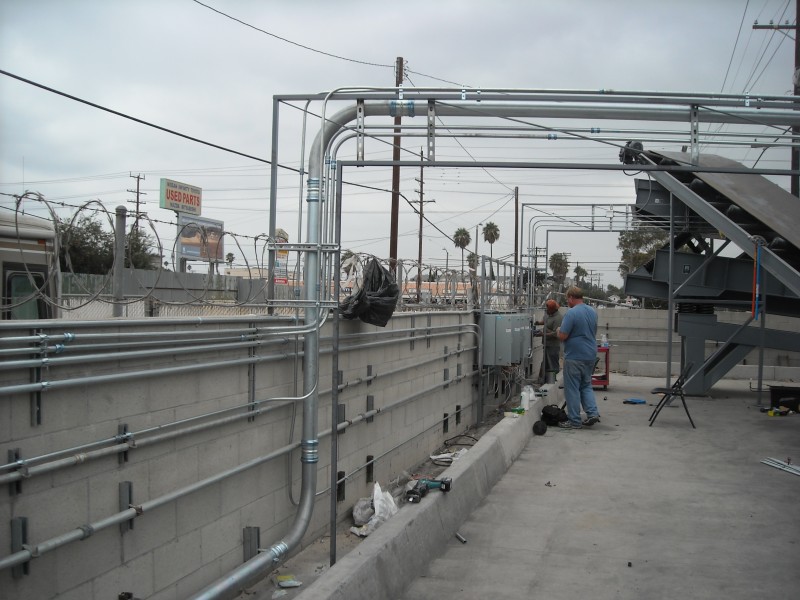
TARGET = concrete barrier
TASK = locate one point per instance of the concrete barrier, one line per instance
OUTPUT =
(385, 563)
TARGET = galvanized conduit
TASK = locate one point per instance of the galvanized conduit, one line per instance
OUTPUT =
(375, 412)
(42, 338)
(28, 468)
(131, 442)
(101, 379)
(253, 569)
(88, 359)
(259, 334)
(87, 530)
(83, 448)
(63, 349)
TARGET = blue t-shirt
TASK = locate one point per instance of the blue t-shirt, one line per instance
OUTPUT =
(580, 323)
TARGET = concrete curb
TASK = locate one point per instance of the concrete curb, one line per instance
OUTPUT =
(385, 563)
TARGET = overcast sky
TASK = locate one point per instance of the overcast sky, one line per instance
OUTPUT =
(183, 66)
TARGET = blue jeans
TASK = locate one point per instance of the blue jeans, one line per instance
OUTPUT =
(578, 390)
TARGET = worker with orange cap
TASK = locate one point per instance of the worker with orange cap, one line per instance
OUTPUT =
(552, 346)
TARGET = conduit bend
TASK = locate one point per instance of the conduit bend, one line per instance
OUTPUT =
(260, 565)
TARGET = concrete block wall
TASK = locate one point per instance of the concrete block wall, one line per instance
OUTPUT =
(641, 336)
(182, 545)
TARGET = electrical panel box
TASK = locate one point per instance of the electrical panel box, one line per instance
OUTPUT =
(506, 338)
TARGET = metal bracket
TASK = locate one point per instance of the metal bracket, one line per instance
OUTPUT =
(370, 406)
(447, 377)
(428, 332)
(122, 435)
(446, 423)
(251, 542)
(125, 502)
(695, 134)
(19, 539)
(413, 332)
(15, 456)
(360, 128)
(431, 130)
(341, 418)
(340, 491)
(370, 468)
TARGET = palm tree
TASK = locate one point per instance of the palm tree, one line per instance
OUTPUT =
(580, 274)
(491, 233)
(461, 239)
(559, 265)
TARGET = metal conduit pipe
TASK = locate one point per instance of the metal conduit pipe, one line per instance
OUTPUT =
(65, 348)
(259, 333)
(89, 529)
(381, 343)
(86, 531)
(131, 335)
(86, 359)
(100, 379)
(375, 412)
(64, 324)
(135, 435)
(227, 586)
(84, 450)
(252, 570)
(30, 467)
(132, 443)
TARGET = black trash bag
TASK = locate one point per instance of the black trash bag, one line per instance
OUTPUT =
(553, 415)
(375, 301)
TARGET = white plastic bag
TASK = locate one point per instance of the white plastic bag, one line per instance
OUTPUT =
(363, 511)
(385, 508)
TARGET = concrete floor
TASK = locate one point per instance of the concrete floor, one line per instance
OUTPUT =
(621, 510)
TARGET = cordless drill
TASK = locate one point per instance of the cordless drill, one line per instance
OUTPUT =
(421, 487)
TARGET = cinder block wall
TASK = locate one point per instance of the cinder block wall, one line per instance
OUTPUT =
(641, 336)
(421, 367)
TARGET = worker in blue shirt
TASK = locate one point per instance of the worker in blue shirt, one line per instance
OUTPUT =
(578, 331)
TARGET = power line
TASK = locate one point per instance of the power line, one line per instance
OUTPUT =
(328, 54)
(288, 41)
(140, 121)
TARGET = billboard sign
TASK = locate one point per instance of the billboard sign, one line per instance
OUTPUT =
(180, 197)
(201, 239)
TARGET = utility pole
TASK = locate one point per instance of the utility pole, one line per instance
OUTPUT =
(398, 71)
(422, 202)
(137, 202)
(795, 164)
(516, 225)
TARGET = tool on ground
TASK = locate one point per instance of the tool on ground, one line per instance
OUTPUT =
(421, 487)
